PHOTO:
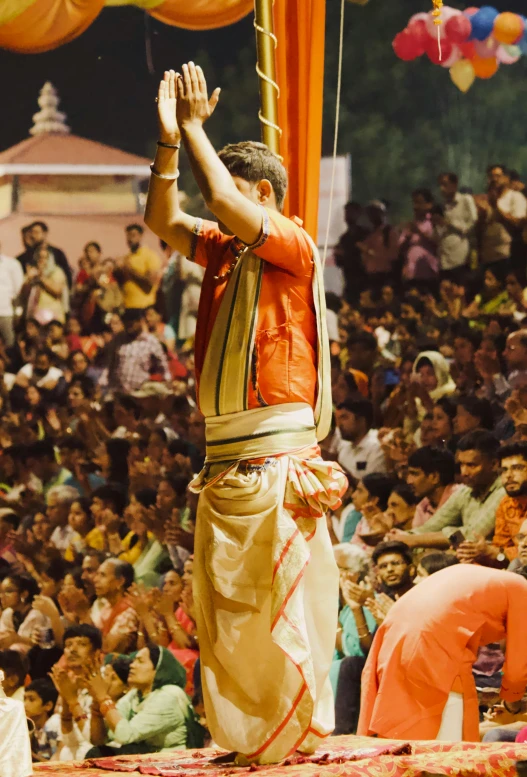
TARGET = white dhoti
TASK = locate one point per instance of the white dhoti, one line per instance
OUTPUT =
(266, 597)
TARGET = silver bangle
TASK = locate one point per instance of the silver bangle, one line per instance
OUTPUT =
(164, 177)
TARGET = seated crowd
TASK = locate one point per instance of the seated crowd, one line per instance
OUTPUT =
(101, 436)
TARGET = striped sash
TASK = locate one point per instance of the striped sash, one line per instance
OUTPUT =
(226, 372)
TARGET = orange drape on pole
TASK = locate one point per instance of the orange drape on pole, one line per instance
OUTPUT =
(300, 28)
(47, 25)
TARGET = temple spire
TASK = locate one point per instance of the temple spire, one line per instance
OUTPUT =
(49, 121)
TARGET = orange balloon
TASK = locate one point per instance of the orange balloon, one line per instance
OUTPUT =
(508, 27)
(485, 67)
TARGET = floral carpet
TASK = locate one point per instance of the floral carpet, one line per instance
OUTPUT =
(347, 756)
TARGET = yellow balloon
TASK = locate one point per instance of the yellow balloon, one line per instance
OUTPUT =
(462, 74)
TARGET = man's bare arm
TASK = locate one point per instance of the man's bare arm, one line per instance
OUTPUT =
(241, 216)
(163, 214)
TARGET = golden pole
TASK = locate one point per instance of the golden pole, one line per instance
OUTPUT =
(266, 68)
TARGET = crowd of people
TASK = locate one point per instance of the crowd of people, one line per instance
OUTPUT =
(101, 436)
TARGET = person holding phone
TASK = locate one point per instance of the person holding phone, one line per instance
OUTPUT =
(472, 508)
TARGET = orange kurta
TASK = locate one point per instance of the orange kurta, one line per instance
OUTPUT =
(428, 643)
(284, 365)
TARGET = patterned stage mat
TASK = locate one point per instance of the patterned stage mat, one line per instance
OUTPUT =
(347, 756)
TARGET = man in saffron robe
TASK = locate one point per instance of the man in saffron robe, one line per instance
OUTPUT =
(417, 682)
(266, 625)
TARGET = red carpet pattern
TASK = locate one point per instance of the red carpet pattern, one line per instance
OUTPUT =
(341, 757)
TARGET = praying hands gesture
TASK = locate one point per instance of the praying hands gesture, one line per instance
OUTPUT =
(166, 108)
(193, 103)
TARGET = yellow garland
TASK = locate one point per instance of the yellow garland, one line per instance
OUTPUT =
(436, 13)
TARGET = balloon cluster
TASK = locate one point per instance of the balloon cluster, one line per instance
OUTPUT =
(471, 44)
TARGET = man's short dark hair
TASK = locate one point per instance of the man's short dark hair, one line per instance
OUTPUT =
(393, 546)
(406, 493)
(56, 569)
(431, 459)
(362, 408)
(379, 486)
(85, 630)
(513, 449)
(451, 177)
(482, 441)
(12, 662)
(45, 689)
(366, 339)
(42, 224)
(478, 407)
(113, 496)
(254, 162)
(136, 227)
(437, 560)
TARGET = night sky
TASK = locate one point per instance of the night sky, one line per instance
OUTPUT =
(103, 78)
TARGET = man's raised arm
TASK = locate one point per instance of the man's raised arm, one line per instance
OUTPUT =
(242, 216)
(163, 214)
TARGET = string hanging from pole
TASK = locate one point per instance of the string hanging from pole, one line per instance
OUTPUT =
(336, 136)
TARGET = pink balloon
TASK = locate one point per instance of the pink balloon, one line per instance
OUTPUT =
(486, 48)
(470, 11)
(453, 58)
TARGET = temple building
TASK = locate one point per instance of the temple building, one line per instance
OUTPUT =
(82, 189)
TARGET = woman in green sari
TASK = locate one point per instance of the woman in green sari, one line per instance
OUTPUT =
(154, 716)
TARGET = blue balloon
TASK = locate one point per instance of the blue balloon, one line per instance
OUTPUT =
(483, 22)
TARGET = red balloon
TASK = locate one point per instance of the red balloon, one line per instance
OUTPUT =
(458, 28)
(420, 34)
(432, 50)
(468, 49)
(406, 46)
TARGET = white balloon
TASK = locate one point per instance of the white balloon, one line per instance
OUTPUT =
(508, 55)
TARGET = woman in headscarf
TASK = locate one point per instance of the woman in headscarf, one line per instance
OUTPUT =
(431, 380)
(154, 716)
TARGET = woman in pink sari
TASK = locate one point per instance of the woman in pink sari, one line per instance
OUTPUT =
(181, 625)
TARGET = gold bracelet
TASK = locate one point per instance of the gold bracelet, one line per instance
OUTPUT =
(363, 634)
(141, 634)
